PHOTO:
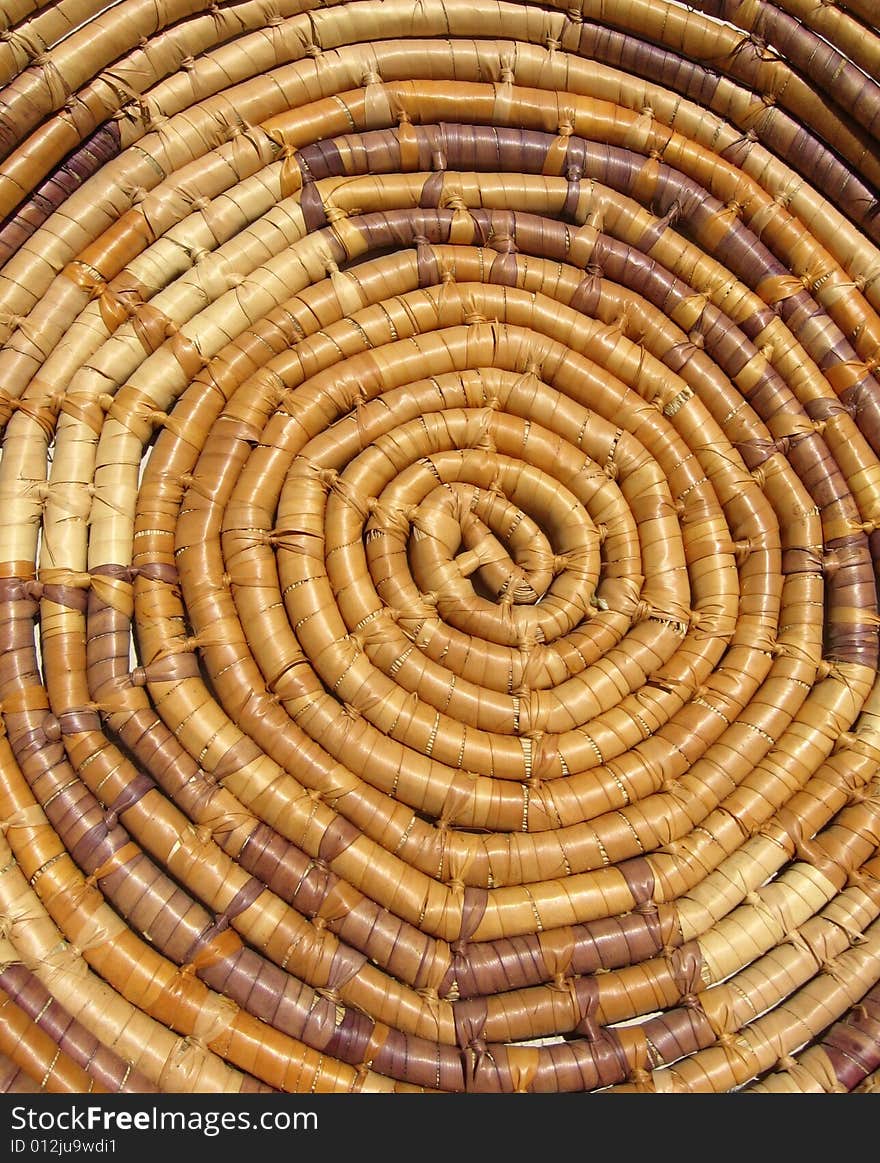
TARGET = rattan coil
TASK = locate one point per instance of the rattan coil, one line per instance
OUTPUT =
(440, 513)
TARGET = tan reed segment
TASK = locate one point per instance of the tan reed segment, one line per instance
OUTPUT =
(740, 1056)
(438, 613)
(862, 9)
(31, 29)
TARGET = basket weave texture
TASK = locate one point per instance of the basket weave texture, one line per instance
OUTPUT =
(439, 507)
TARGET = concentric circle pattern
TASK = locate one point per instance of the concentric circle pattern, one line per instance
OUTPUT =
(440, 503)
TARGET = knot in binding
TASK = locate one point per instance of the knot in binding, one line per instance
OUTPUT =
(455, 202)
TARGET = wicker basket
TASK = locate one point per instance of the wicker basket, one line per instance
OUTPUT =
(441, 495)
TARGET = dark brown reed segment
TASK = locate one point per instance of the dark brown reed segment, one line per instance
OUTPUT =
(853, 1043)
(509, 149)
(438, 567)
(95, 152)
